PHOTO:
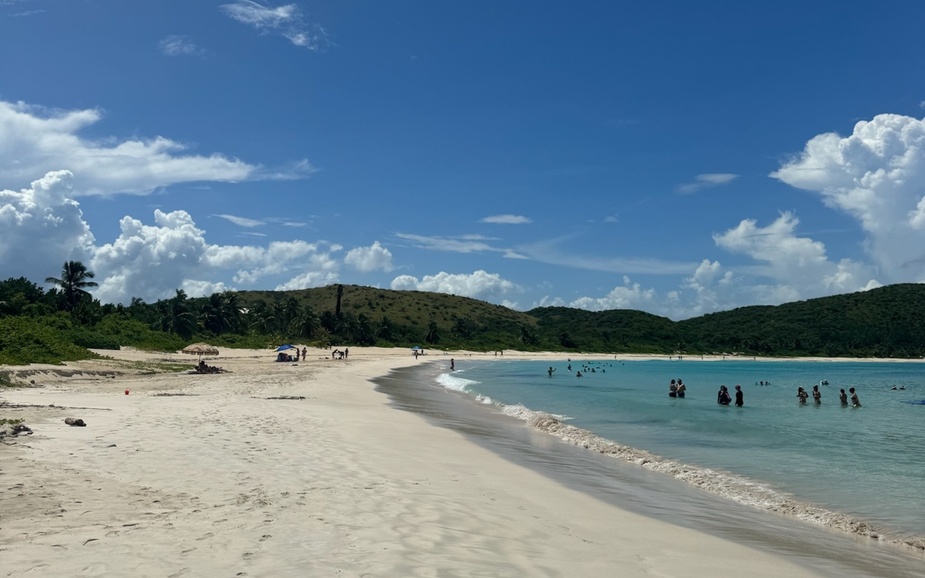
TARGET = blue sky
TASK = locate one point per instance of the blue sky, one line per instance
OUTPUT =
(674, 157)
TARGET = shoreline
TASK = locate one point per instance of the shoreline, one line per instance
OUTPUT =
(235, 473)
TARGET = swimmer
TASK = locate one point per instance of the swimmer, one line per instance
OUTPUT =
(550, 370)
(855, 402)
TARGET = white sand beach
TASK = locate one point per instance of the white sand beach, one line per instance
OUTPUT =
(207, 475)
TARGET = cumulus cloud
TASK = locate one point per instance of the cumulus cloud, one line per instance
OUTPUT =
(178, 45)
(793, 267)
(372, 258)
(627, 296)
(706, 180)
(478, 285)
(42, 227)
(506, 219)
(34, 141)
(151, 261)
(877, 176)
(309, 279)
(287, 21)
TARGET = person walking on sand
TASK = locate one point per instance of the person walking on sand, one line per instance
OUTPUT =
(843, 397)
(452, 365)
(739, 397)
(855, 402)
(817, 396)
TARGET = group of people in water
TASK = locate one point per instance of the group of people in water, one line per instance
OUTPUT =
(803, 396)
(677, 389)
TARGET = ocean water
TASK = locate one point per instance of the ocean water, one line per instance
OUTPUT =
(857, 472)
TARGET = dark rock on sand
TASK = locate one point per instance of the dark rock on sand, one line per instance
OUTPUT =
(75, 422)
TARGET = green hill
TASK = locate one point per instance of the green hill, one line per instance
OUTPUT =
(884, 322)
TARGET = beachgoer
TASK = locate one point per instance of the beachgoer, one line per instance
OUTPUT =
(843, 397)
(673, 389)
(550, 370)
(346, 352)
(304, 353)
(802, 395)
(452, 365)
(577, 374)
(855, 402)
(739, 397)
(817, 396)
(681, 388)
(722, 397)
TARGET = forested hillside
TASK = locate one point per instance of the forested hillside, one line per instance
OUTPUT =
(58, 324)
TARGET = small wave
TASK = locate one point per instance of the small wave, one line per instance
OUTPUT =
(731, 486)
(454, 382)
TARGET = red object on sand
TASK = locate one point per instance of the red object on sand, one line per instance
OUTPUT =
(126, 392)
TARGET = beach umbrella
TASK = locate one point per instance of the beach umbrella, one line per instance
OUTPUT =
(285, 347)
(200, 349)
(416, 348)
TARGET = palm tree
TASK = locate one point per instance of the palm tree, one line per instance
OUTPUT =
(73, 282)
(176, 316)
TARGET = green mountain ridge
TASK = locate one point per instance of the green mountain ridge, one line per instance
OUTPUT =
(46, 326)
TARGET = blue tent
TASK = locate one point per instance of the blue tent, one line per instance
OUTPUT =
(416, 348)
(285, 347)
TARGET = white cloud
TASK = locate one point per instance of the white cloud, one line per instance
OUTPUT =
(42, 227)
(877, 176)
(506, 219)
(468, 244)
(287, 21)
(628, 296)
(178, 45)
(34, 141)
(151, 261)
(372, 258)
(241, 221)
(478, 285)
(707, 180)
(798, 266)
(308, 280)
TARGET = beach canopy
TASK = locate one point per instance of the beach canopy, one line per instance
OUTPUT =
(200, 349)
(416, 348)
(285, 347)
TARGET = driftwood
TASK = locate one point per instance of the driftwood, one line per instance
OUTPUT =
(75, 422)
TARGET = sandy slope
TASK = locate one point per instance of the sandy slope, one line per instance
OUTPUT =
(222, 481)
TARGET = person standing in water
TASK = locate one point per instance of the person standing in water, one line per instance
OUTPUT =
(843, 397)
(855, 402)
(452, 365)
(550, 370)
(672, 389)
(739, 396)
(817, 396)
(681, 388)
(802, 395)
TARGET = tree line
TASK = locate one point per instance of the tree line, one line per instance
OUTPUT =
(64, 321)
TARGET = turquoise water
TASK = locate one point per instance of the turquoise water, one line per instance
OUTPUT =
(868, 462)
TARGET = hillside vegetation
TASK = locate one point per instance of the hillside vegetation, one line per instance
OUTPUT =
(38, 325)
